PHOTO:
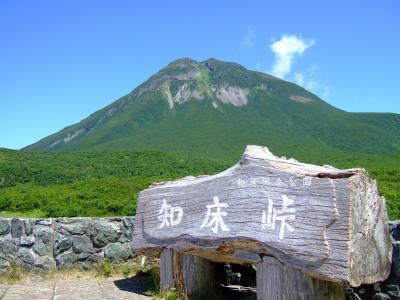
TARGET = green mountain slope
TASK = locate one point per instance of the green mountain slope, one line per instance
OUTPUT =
(215, 108)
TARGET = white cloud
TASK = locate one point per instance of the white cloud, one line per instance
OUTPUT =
(307, 80)
(286, 50)
(248, 41)
(326, 92)
(299, 78)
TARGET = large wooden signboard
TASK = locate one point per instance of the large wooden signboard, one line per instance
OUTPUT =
(329, 223)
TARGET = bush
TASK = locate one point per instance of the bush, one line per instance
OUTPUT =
(105, 269)
(167, 295)
(126, 271)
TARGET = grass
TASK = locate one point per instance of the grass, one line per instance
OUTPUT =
(14, 273)
(105, 269)
(37, 213)
(128, 269)
(171, 294)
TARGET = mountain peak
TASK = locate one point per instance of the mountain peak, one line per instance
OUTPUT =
(211, 80)
(200, 106)
(182, 62)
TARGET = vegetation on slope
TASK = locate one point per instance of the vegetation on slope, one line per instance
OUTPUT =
(208, 125)
(180, 111)
(87, 184)
(43, 184)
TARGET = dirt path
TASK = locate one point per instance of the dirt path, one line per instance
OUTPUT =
(75, 289)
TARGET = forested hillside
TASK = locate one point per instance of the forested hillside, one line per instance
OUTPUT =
(107, 183)
(87, 184)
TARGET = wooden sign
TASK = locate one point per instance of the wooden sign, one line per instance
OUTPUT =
(329, 223)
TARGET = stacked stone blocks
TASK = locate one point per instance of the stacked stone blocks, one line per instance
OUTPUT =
(44, 244)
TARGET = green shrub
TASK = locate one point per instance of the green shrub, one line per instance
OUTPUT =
(105, 269)
(167, 295)
(126, 271)
(100, 184)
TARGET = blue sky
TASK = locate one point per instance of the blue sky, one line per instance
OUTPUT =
(62, 60)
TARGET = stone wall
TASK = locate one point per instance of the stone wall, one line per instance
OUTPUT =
(44, 244)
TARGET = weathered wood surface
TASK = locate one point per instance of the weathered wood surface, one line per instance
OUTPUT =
(192, 276)
(329, 223)
(167, 280)
(277, 282)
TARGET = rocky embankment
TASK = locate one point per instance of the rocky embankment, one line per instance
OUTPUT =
(44, 244)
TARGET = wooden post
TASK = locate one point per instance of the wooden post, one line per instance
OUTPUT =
(167, 280)
(192, 276)
(277, 282)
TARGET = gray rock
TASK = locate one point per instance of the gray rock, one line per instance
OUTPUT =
(83, 256)
(129, 222)
(361, 291)
(17, 227)
(103, 233)
(4, 226)
(4, 266)
(127, 233)
(8, 248)
(117, 252)
(67, 260)
(91, 261)
(377, 287)
(82, 244)
(126, 236)
(396, 259)
(29, 223)
(44, 263)
(26, 258)
(394, 228)
(381, 296)
(74, 226)
(61, 244)
(351, 295)
(26, 241)
(44, 222)
(43, 237)
(393, 290)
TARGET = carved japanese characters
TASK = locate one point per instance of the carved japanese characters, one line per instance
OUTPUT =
(306, 216)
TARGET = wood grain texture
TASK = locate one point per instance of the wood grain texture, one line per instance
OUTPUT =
(325, 211)
(278, 282)
(167, 280)
(192, 276)
(370, 256)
